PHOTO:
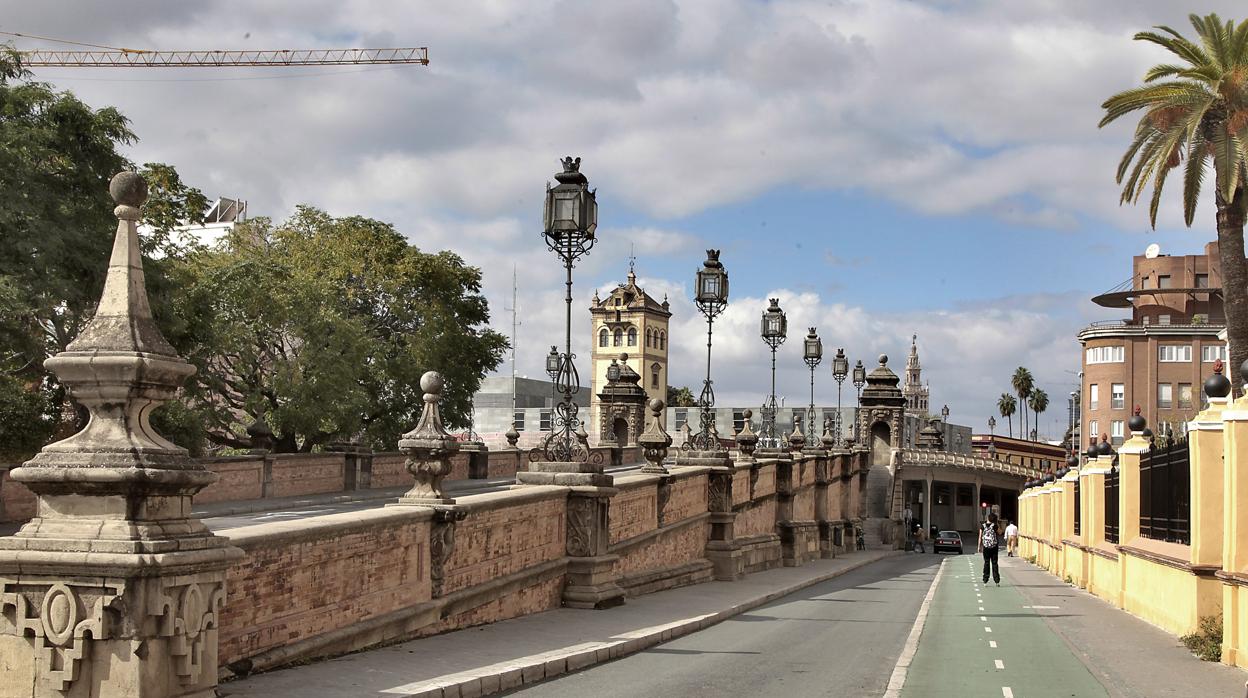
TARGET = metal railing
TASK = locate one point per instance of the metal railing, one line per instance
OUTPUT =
(1111, 506)
(920, 456)
(1165, 493)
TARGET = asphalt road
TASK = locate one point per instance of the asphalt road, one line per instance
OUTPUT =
(839, 638)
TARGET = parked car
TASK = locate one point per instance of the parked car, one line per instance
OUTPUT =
(947, 540)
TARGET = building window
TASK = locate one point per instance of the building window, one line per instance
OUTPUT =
(632, 336)
(517, 420)
(1165, 395)
(544, 420)
(1185, 395)
(1094, 429)
(1117, 397)
(1163, 281)
(1163, 319)
(662, 340)
(1212, 352)
(682, 416)
(1106, 355)
(649, 336)
(1094, 396)
(1145, 282)
(738, 421)
(617, 301)
(1202, 281)
(619, 337)
(1116, 432)
(603, 337)
(654, 375)
(1174, 353)
(1146, 320)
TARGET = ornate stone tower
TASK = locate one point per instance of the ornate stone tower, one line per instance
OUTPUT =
(629, 320)
(915, 392)
(881, 422)
(623, 407)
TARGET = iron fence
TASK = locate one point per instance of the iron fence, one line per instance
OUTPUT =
(1165, 493)
(1111, 506)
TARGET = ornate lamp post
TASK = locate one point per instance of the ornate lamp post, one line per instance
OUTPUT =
(711, 297)
(840, 369)
(860, 379)
(992, 427)
(571, 218)
(812, 354)
(944, 424)
(613, 377)
(775, 329)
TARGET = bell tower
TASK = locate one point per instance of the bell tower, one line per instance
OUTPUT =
(628, 320)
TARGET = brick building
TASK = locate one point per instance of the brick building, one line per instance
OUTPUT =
(1159, 356)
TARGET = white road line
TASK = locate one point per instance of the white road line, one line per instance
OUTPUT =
(984, 618)
(992, 644)
(1000, 664)
(987, 629)
(981, 608)
(1006, 692)
(1048, 607)
(898, 679)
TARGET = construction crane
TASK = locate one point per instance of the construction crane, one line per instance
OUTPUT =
(115, 57)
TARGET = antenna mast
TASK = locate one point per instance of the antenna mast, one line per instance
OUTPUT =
(514, 324)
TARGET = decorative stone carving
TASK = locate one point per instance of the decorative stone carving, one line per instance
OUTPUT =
(61, 619)
(442, 543)
(797, 440)
(720, 491)
(664, 496)
(429, 448)
(746, 439)
(188, 608)
(582, 517)
(513, 437)
(655, 440)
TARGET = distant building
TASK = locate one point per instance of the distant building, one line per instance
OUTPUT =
(628, 321)
(1034, 454)
(1159, 357)
(912, 388)
(219, 220)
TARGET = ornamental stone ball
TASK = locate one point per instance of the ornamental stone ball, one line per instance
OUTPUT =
(1217, 385)
(432, 382)
(656, 406)
(1137, 422)
(883, 359)
(128, 189)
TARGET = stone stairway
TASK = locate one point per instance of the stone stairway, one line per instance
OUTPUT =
(872, 531)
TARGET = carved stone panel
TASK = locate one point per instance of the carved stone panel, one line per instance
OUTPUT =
(60, 618)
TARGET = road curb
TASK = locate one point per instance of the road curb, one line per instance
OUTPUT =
(526, 671)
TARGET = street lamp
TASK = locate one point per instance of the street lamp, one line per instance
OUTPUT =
(570, 221)
(840, 369)
(944, 413)
(944, 424)
(992, 426)
(812, 354)
(860, 379)
(775, 329)
(711, 297)
(613, 377)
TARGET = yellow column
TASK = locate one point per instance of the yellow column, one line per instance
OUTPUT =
(1056, 529)
(1205, 435)
(1235, 531)
(1129, 487)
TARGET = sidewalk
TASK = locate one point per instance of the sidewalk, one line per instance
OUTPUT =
(1129, 657)
(508, 654)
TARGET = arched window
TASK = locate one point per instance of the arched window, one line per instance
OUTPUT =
(602, 337)
(619, 337)
(649, 335)
(662, 340)
(654, 375)
(632, 336)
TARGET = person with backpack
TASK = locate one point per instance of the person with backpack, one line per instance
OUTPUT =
(989, 538)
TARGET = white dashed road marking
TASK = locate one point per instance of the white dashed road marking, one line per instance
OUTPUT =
(987, 629)
(992, 644)
(1000, 664)
(1006, 692)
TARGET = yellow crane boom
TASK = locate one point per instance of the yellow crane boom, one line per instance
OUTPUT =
(128, 58)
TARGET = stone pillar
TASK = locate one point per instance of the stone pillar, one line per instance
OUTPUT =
(1235, 531)
(114, 589)
(591, 576)
(478, 459)
(262, 445)
(1205, 435)
(823, 482)
(722, 548)
(788, 477)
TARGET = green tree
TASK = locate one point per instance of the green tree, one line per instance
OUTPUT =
(322, 326)
(1038, 402)
(1006, 406)
(1022, 382)
(57, 155)
(1196, 110)
(680, 397)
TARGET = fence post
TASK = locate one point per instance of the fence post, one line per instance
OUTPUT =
(1206, 477)
(1235, 530)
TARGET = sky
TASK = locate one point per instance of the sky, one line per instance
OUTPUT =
(885, 168)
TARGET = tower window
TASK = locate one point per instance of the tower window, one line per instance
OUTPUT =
(649, 337)
(654, 375)
(603, 337)
(632, 336)
(619, 337)
(662, 340)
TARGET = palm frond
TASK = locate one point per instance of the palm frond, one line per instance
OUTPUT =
(1142, 132)
(1228, 161)
(1239, 44)
(1193, 175)
(1135, 98)
(1167, 149)
(1176, 44)
(1165, 70)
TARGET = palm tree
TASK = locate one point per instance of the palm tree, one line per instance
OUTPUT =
(1197, 110)
(1006, 406)
(1022, 382)
(1038, 402)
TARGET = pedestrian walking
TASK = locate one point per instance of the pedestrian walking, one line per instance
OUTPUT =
(1011, 539)
(917, 533)
(989, 536)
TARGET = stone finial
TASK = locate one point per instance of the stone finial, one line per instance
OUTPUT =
(429, 448)
(260, 435)
(1217, 385)
(883, 359)
(1104, 449)
(828, 440)
(746, 439)
(797, 440)
(655, 440)
(512, 436)
(120, 367)
(1137, 422)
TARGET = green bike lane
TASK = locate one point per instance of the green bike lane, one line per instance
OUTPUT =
(985, 640)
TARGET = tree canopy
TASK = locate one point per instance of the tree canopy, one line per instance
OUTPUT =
(322, 327)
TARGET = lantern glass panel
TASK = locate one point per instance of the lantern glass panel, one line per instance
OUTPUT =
(613, 372)
(591, 213)
(552, 363)
(565, 209)
(710, 287)
(814, 348)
